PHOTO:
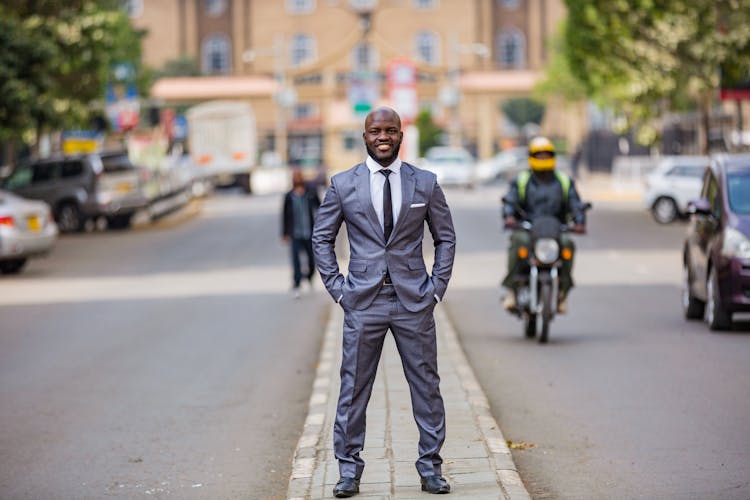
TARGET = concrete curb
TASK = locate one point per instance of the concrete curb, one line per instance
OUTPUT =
(306, 454)
(171, 218)
(497, 448)
(309, 446)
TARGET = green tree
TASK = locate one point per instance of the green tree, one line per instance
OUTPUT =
(57, 56)
(558, 79)
(644, 57)
(25, 81)
(523, 110)
(429, 133)
(182, 66)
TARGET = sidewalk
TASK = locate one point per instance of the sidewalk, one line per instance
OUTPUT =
(478, 463)
(603, 187)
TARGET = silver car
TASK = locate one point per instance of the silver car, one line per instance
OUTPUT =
(505, 165)
(27, 229)
(84, 187)
(453, 166)
(674, 182)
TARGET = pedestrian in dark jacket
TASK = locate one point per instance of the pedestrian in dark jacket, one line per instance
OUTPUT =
(298, 216)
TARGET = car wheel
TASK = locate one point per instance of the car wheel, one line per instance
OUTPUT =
(69, 218)
(692, 307)
(122, 221)
(664, 210)
(13, 266)
(716, 316)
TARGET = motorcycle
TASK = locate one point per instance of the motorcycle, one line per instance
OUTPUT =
(537, 288)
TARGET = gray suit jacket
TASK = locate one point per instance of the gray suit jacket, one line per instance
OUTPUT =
(348, 200)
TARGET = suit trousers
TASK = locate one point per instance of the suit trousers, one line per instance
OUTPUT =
(364, 333)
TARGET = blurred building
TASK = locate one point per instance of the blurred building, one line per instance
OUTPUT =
(310, 68)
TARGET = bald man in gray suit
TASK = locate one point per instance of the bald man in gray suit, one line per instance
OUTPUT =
(385, 204)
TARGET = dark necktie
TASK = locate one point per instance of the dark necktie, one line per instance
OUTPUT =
(387, 204)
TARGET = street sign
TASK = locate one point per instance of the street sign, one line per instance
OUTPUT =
(364, 91)
(81, 141)
(402, 88)
(122, 106)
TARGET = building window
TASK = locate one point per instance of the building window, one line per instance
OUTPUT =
(510, 4)
(305, 111)
(302, 49)
(300, 6)
(216, 55)
(362, 5)
(428, 47)
(425, 4)
(364, 57)
(133, 8)
(351, 140)
(511, 49)
(215, 7)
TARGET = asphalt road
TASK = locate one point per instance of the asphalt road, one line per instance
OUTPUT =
(627, 400)
(173, 363)
(169, 363)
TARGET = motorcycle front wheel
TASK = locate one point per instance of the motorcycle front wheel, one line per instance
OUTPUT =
(529, 325)
(546, 300)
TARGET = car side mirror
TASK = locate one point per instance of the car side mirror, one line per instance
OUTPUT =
(699, 207)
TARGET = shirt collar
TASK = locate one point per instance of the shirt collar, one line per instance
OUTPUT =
(374, 166)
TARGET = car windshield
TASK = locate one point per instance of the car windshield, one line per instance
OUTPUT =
(444, 154)
(738, 188)
(116, 163)
(448, 159)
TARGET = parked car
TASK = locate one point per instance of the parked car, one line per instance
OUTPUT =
(672, 184)
(26, 230)
(453, 166)
(716, 254)
(504, 165)
(83, 187)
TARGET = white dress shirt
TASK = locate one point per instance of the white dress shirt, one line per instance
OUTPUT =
(377, 183)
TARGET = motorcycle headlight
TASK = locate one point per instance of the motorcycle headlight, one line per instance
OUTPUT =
(546, 250)
(736, 244)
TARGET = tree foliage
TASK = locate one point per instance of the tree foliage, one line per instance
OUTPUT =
(182, 66)
(559, 79)
(56, 56)
(429, 133)
(522, 110)
(643, 57)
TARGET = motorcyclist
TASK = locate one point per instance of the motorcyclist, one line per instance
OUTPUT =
(541, 190)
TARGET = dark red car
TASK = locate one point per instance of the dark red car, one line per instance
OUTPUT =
(717, 247)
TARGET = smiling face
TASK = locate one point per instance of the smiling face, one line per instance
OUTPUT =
(383, 135)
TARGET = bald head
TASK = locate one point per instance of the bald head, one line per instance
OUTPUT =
(382, 112)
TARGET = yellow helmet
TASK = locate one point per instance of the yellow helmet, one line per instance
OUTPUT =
(541, 154)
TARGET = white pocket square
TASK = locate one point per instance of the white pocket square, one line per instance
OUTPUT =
(417, 205)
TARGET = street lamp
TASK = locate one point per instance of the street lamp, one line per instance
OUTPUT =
(364, 9)
(450, 95)
(285, 96)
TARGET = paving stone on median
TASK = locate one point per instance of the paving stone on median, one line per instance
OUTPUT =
(392, 436)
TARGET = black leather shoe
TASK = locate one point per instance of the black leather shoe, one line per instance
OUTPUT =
(435, 484)
(346, 487)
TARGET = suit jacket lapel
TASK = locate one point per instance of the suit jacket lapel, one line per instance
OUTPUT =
(362, 186)
(408, 184)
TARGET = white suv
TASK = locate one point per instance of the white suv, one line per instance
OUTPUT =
(674, 182)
